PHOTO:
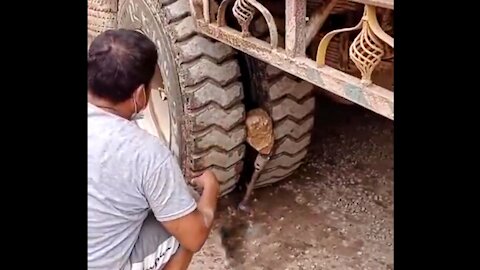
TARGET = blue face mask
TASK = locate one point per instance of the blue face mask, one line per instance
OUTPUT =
(138, 115)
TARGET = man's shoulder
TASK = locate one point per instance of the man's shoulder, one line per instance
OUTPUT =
(150, 146)
(126, 139)
(143, 147)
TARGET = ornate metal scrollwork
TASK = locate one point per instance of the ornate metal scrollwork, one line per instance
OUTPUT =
(366, 52)
(244, 10)
(367, 48)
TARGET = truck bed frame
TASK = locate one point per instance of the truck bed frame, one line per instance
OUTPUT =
(366, 50)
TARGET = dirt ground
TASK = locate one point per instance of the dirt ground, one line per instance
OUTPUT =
(336, 212)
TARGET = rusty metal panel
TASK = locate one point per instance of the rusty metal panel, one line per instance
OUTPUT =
(373, 97)
(295, 15)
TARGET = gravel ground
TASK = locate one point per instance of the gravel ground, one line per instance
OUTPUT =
(336, 212)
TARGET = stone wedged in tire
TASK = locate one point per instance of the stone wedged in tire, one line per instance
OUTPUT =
(212, 114)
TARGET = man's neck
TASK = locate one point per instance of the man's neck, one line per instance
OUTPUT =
(119, 109)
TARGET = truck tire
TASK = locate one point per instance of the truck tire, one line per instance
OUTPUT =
(202, 84)
(290, 103)
(102, 16)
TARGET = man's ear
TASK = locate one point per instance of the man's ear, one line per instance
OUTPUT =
(138, 92)
(140, 97)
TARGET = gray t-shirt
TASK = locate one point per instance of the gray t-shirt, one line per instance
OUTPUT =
(129, 173)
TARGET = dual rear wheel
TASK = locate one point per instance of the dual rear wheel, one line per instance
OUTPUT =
(197, 103)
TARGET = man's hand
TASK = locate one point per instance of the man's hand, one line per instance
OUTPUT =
(207, 203)
(192, 230)
(206, 180)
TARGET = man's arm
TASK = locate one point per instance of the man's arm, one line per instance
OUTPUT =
(173, 205)
(207, 204)
(192, 230)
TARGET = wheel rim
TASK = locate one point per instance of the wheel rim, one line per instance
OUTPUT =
(156, 118)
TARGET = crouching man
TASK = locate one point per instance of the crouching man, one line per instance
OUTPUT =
(141, 214)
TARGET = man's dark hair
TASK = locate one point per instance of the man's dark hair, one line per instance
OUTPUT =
(119, 61)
